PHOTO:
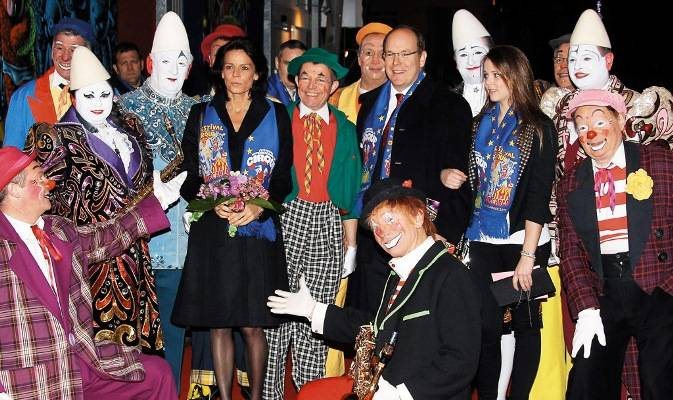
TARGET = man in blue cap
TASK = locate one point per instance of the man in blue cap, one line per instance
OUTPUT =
(47, 98)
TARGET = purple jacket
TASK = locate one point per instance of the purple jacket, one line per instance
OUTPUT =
(44, 346)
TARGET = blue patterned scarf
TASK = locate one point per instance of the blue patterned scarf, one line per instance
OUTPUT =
(260, 154)
(498, 160)
(371, 137)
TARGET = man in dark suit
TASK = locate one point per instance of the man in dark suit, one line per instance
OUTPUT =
(409, 128)
(617, 206)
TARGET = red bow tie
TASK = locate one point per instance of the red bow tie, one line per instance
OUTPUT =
(47, 246)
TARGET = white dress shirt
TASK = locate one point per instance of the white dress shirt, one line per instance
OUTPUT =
(26, 234)
(323, 112)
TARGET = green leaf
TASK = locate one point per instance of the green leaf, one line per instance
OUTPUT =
(268, 204)
(208, 204)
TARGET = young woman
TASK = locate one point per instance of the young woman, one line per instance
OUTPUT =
(511, 173)
(226, 279)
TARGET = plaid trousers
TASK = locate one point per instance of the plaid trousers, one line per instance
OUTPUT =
(313, 237)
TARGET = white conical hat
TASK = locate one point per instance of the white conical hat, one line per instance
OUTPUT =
(465, 28)
(590, 30)
(170, 35)
(86, 69)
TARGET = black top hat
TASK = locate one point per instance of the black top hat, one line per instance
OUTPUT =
(386, 189)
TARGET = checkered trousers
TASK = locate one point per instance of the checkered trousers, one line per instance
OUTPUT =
(313, 237)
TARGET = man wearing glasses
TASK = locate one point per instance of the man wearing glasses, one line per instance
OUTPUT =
(564, 85)
(409, 128)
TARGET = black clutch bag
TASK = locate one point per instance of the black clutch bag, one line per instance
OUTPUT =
(505, 294)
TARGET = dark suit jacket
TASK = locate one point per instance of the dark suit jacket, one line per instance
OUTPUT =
(650, 225)
(437, 317)
(432, 132)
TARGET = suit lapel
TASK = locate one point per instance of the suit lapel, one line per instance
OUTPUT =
(582, 209)
(26, 269)
(62, 269)
(407, 290)
(639, 212)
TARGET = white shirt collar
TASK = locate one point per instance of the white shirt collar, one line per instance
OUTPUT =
(55, 79)
(20, 226)
(323, 112)
(618, 159)
(394, 91)
(403, 265)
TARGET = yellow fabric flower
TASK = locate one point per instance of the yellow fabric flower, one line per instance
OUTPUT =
(639, 185)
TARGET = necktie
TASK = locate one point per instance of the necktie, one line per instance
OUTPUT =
(49, 251)
(384, 137)
(63, 100)
(312, 134)
(386, 129)
(604, 177)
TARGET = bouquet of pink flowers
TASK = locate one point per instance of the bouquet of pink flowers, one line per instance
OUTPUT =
(233, 190)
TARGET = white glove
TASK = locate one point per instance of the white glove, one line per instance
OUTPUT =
(349, 261)
(169, 192)
(5, 396)
(589, 324)
(300, 304)
(386, 391)
(186, 220)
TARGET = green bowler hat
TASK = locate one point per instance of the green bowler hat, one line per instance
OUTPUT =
(318, 56)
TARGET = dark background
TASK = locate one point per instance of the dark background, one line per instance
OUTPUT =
(639, 32)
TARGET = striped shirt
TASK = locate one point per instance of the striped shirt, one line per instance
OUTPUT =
(612, 223)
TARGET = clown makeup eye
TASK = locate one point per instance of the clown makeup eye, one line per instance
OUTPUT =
(88, 95)
(105, 95)
(582, 128)
(388, 218)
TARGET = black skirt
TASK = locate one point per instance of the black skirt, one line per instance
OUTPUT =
(226, 281)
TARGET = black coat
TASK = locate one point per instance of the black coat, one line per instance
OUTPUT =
(439, 327)
(432, 132)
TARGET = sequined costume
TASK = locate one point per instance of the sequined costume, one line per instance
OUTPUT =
(167, 249)
(94, 185)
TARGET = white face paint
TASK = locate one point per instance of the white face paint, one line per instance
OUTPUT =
(469, 59)
(588, 69)
(169, 71)
(94, 102)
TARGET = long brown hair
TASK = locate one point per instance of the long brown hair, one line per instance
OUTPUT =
(518, 75)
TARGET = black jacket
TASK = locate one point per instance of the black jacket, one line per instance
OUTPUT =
(439, 326)
(432, 132)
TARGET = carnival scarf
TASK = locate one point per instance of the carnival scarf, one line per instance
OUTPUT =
(498, 160)
(260, 154)
(371, 137)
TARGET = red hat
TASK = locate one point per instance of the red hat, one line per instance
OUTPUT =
(13, 161)
(227, 31)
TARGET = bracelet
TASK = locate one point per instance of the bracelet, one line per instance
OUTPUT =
(527, 254)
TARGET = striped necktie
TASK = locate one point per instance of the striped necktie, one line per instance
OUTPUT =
(312, 134)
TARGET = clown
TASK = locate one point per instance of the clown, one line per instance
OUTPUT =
(471, 42)
(590, 59)
(620, 280)
(159, 102)
(99, 159)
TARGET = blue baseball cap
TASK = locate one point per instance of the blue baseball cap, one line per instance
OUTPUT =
(82, 28)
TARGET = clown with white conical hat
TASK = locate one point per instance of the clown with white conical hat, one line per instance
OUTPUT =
(471, 42)
(163, 109)
(590, 60)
